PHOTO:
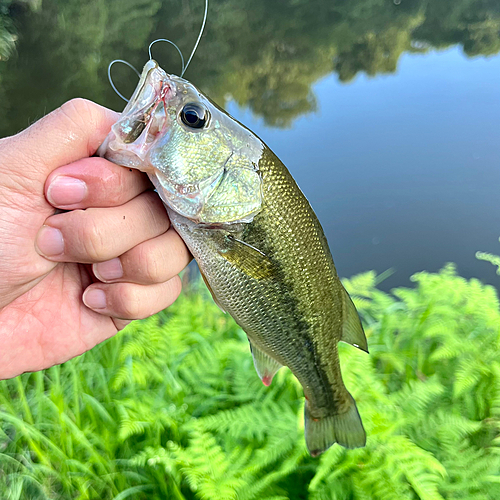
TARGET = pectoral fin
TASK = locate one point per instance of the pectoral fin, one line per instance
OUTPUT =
(352, 330)
(265, 366)
(248, 259)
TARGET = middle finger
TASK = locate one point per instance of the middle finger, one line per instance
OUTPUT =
(100, 234)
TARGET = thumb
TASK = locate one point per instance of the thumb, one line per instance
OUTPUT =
(71, 132)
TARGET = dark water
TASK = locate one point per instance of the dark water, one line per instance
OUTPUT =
(387, 113)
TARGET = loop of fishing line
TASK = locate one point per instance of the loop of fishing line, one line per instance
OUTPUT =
(184, 65)
(202, 29)
(171, 43)
(111, 79)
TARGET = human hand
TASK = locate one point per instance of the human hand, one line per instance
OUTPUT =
(114, 246)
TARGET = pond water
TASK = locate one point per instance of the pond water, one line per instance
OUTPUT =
(386, 113)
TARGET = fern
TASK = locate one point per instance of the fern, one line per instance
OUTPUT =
(172, 408)
(491, 258)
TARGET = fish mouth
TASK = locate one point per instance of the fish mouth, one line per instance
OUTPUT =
(143, 120)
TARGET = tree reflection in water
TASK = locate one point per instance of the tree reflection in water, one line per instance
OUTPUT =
(263, 55)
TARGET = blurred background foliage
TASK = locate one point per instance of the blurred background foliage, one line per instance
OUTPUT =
(263, 55)
(172, 408)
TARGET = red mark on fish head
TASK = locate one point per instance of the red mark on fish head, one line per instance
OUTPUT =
(267, 379)
(165, 92)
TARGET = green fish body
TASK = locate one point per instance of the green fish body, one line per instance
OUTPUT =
(258, 243)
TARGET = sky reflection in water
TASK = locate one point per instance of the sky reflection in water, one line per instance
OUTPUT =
(403, 170)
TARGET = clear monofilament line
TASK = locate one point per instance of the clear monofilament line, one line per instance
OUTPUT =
(111, 80)
(184, 66)
(171, 43)
(199, 38)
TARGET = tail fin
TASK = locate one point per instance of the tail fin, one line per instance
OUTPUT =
(345, 429)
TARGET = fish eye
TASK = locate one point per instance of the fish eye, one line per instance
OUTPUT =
(194, 115)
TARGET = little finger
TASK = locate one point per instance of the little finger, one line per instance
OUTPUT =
(130, 301)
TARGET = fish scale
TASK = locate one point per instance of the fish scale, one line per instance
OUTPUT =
(258, 243)
(301, 305)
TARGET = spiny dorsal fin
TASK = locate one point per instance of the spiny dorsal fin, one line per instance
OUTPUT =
(265, 366)
(352, 330)
(248, 259)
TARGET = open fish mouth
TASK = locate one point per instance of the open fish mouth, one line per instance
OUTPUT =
(203, 163)
(143, 120)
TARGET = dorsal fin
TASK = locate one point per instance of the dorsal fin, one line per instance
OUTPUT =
(352, 330)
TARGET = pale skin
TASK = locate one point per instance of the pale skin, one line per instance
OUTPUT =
(73, 279)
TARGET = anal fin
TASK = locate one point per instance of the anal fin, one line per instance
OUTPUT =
(352, 329)
(265, 366)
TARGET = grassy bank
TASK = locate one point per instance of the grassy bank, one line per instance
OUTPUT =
(172, 408)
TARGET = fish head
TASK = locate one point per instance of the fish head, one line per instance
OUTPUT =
(202, 161)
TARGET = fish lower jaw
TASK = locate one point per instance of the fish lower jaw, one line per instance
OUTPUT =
(123, 157)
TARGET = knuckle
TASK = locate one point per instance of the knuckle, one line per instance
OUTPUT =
(175, 287)
(93, 241)
(157, 214)
(107, 182)
(114, 196)
(151, 267)
(76, 109)
(128, 303)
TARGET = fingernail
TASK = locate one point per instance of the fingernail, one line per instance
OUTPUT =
(109, 270)
(49, 241)
(65, 190)
(95, 298)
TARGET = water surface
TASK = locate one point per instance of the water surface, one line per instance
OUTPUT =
(388, 115)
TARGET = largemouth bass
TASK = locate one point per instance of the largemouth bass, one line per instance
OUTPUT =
(259, 246)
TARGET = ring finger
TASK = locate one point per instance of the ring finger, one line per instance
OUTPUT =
(154, 261)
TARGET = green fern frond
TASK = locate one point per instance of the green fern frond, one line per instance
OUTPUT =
(415, 397)
(327, 463)
(466, 377)
(491, 258)
(252, 421)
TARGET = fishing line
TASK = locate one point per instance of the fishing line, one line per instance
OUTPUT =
(184, 66)
(199, 38)
(111, 79)
(171, 43)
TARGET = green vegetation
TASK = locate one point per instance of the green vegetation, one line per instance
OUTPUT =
(491, 258)
(7, 38)
(172, 408)
(264, 55)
